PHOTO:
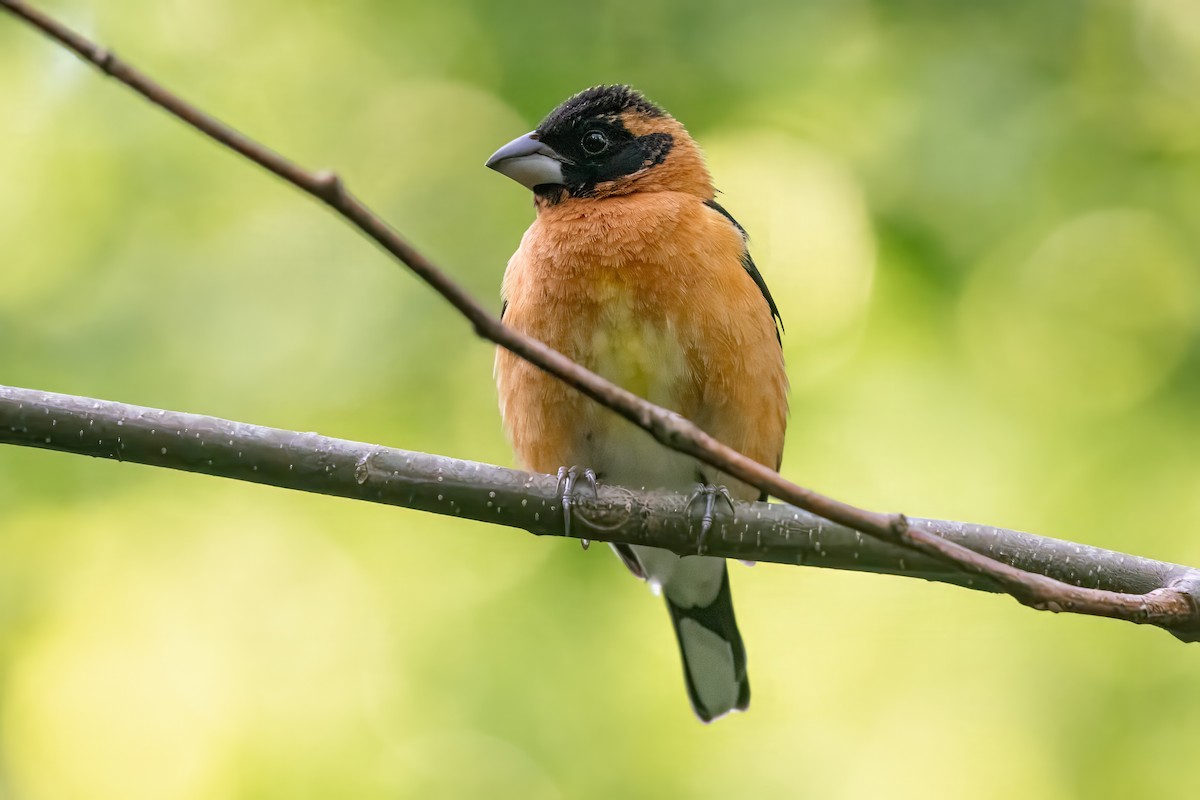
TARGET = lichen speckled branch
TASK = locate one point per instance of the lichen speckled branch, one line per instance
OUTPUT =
(756, 531)
(1172, 606)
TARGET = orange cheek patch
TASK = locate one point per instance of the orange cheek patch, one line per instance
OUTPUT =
(683, 169)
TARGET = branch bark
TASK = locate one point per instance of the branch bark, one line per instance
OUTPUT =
(436, 484)
(1169, 606)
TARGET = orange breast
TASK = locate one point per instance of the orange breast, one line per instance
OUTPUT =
(647, 290)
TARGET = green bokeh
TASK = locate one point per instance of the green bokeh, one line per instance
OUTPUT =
(981, 222)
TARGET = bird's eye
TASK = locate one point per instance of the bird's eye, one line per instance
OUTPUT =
(594, 142)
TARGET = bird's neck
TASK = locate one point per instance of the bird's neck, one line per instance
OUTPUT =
(613, 231)
(683, 171)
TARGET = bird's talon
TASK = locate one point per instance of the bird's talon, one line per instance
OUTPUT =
(710, 495)
(565, 489)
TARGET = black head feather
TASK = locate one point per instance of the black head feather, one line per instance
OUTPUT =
(601, 101)
(597, 112)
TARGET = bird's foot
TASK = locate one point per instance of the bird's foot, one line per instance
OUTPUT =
(567, 478)
(710, 494)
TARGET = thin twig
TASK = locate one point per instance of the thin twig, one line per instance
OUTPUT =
(1037, 591)
(755, 531)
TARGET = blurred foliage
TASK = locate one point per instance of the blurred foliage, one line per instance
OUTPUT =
(982, 225)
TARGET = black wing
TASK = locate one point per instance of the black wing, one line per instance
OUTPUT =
(748, 264)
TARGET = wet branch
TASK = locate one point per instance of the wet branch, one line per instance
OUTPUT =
(1172, 606)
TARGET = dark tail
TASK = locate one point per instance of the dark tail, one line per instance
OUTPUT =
(714, 658)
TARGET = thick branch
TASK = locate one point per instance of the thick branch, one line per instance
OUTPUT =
(756, 531)
(1164, 606)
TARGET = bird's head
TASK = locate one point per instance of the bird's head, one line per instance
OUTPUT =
(604, 142)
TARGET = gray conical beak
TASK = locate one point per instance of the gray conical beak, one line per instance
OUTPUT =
(528, 162)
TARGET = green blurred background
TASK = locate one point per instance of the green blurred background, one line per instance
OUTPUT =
(980, 221)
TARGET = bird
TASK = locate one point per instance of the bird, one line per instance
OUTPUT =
(634, 270)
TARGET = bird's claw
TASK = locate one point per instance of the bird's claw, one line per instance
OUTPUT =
(710, 494)
(567, 477)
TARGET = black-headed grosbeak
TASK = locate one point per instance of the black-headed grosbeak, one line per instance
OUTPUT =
(633, 270)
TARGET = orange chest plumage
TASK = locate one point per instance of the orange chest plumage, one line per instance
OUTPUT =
(647, 290)
(615, 285)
